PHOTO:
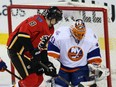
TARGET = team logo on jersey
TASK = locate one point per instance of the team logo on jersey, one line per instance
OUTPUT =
(32, 23)
(39, 19)
(75, 53)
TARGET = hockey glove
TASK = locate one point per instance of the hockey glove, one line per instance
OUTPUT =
(36, 67)
(2, 65)
(35, 61)
(44, 41)
(35, 53)
(51, 70)
(100, 72)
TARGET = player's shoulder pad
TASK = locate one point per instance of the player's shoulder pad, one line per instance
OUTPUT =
(58, 34)
(39, 18)
(91, 36)
(61, 32)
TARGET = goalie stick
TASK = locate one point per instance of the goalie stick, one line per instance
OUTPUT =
(44, 67)
(61, 78)
(97, 74)
(82, 84)
(50, 80)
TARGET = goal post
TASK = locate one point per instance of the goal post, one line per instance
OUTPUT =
(89, 14)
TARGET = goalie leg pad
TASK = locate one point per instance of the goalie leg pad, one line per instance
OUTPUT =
(56, 85)
(88, 84)
(59, 81)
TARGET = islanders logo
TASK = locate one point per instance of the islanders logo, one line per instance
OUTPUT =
(75, 53)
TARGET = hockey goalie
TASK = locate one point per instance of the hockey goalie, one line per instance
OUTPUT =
(76, 48)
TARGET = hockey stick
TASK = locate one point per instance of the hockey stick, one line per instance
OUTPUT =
(12, 74)
(10, 71)
(61, 78)
(52, 81)
(14, 84)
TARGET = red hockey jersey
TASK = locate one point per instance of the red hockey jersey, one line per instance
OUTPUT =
(34, 28)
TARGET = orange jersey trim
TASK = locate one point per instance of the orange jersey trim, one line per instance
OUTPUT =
(95, 60)
(56, 56)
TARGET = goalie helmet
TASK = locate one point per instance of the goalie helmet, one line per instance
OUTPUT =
(53, 13)
(78, 29)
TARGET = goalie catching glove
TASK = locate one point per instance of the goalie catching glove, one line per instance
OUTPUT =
(100, 72)
(97, 73)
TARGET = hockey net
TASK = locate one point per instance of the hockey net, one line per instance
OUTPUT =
(95, 17)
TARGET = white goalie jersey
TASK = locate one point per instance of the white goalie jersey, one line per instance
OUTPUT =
(72, 53)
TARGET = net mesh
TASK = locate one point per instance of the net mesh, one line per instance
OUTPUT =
(93, 19)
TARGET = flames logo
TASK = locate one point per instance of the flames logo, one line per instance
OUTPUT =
(75, 53)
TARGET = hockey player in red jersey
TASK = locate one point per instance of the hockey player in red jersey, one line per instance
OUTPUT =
(27, 46)
(2, 65)
(75, 47)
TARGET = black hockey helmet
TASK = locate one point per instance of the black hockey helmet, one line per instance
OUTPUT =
(54, 13)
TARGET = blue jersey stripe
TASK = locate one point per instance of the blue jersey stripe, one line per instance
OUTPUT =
(52, 47)
(94, 53)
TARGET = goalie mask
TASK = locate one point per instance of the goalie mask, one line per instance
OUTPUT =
(78, 29)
